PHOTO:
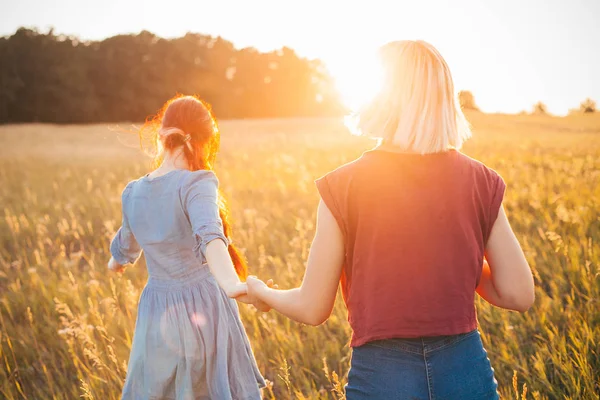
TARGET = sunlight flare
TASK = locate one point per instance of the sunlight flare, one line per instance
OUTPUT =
(357, 79)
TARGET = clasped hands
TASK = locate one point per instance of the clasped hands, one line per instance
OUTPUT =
(249, 292)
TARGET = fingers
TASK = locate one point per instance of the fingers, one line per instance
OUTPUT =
(255, 283)
(261, 306)
(272, 285)
(251, 281)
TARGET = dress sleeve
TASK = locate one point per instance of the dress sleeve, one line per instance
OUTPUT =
(200, 199)
(124, 247)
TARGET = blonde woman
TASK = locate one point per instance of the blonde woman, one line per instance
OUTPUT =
(406, 228)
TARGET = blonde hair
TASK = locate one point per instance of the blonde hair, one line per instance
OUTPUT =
(416, 109)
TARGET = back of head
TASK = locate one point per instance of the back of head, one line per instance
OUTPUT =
(416, 109)
(185, 121)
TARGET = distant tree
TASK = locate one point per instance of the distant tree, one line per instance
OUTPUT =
(540, 108)
(467, 100)
(588, 106)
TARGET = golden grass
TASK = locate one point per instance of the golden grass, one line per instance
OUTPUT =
(66, 324)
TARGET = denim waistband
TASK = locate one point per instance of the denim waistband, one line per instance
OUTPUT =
(423, 345)
(182, 279)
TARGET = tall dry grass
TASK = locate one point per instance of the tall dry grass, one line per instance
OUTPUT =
(66, 324)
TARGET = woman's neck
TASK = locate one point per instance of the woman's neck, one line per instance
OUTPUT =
(174, 159)
(390, 148)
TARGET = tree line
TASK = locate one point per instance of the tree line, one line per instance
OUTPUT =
(46, 77)
(467, 102)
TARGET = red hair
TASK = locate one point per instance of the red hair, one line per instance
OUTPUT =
(200, 140)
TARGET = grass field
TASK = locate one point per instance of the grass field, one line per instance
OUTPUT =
(66, 324)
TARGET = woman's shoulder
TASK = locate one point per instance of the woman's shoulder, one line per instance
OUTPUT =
(478, 166)
(191, 178)
(334, 185)
(194, 183)
(484, 176)
(343, 171)
(128, 188)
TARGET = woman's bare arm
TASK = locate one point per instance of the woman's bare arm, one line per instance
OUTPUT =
(486, 288)
(312, 302)
(221, 266)
(506, 280)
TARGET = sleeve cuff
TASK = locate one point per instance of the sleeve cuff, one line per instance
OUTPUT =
(207, 235)
(325, 193)
(117, 253)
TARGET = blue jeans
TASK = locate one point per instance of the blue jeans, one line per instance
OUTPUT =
(429, 368)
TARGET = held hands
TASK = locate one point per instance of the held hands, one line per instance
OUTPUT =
(241, 292)
(256, 287)
(236, 290)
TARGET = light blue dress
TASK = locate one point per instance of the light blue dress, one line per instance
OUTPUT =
(189, 341)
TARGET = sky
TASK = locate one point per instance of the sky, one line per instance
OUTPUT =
(510, 54)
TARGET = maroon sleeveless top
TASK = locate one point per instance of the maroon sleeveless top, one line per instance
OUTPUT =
(415, 228)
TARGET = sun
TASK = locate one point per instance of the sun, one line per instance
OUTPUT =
(357, 79)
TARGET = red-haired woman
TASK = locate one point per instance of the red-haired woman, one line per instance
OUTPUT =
(189, 342)
(406, 227)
